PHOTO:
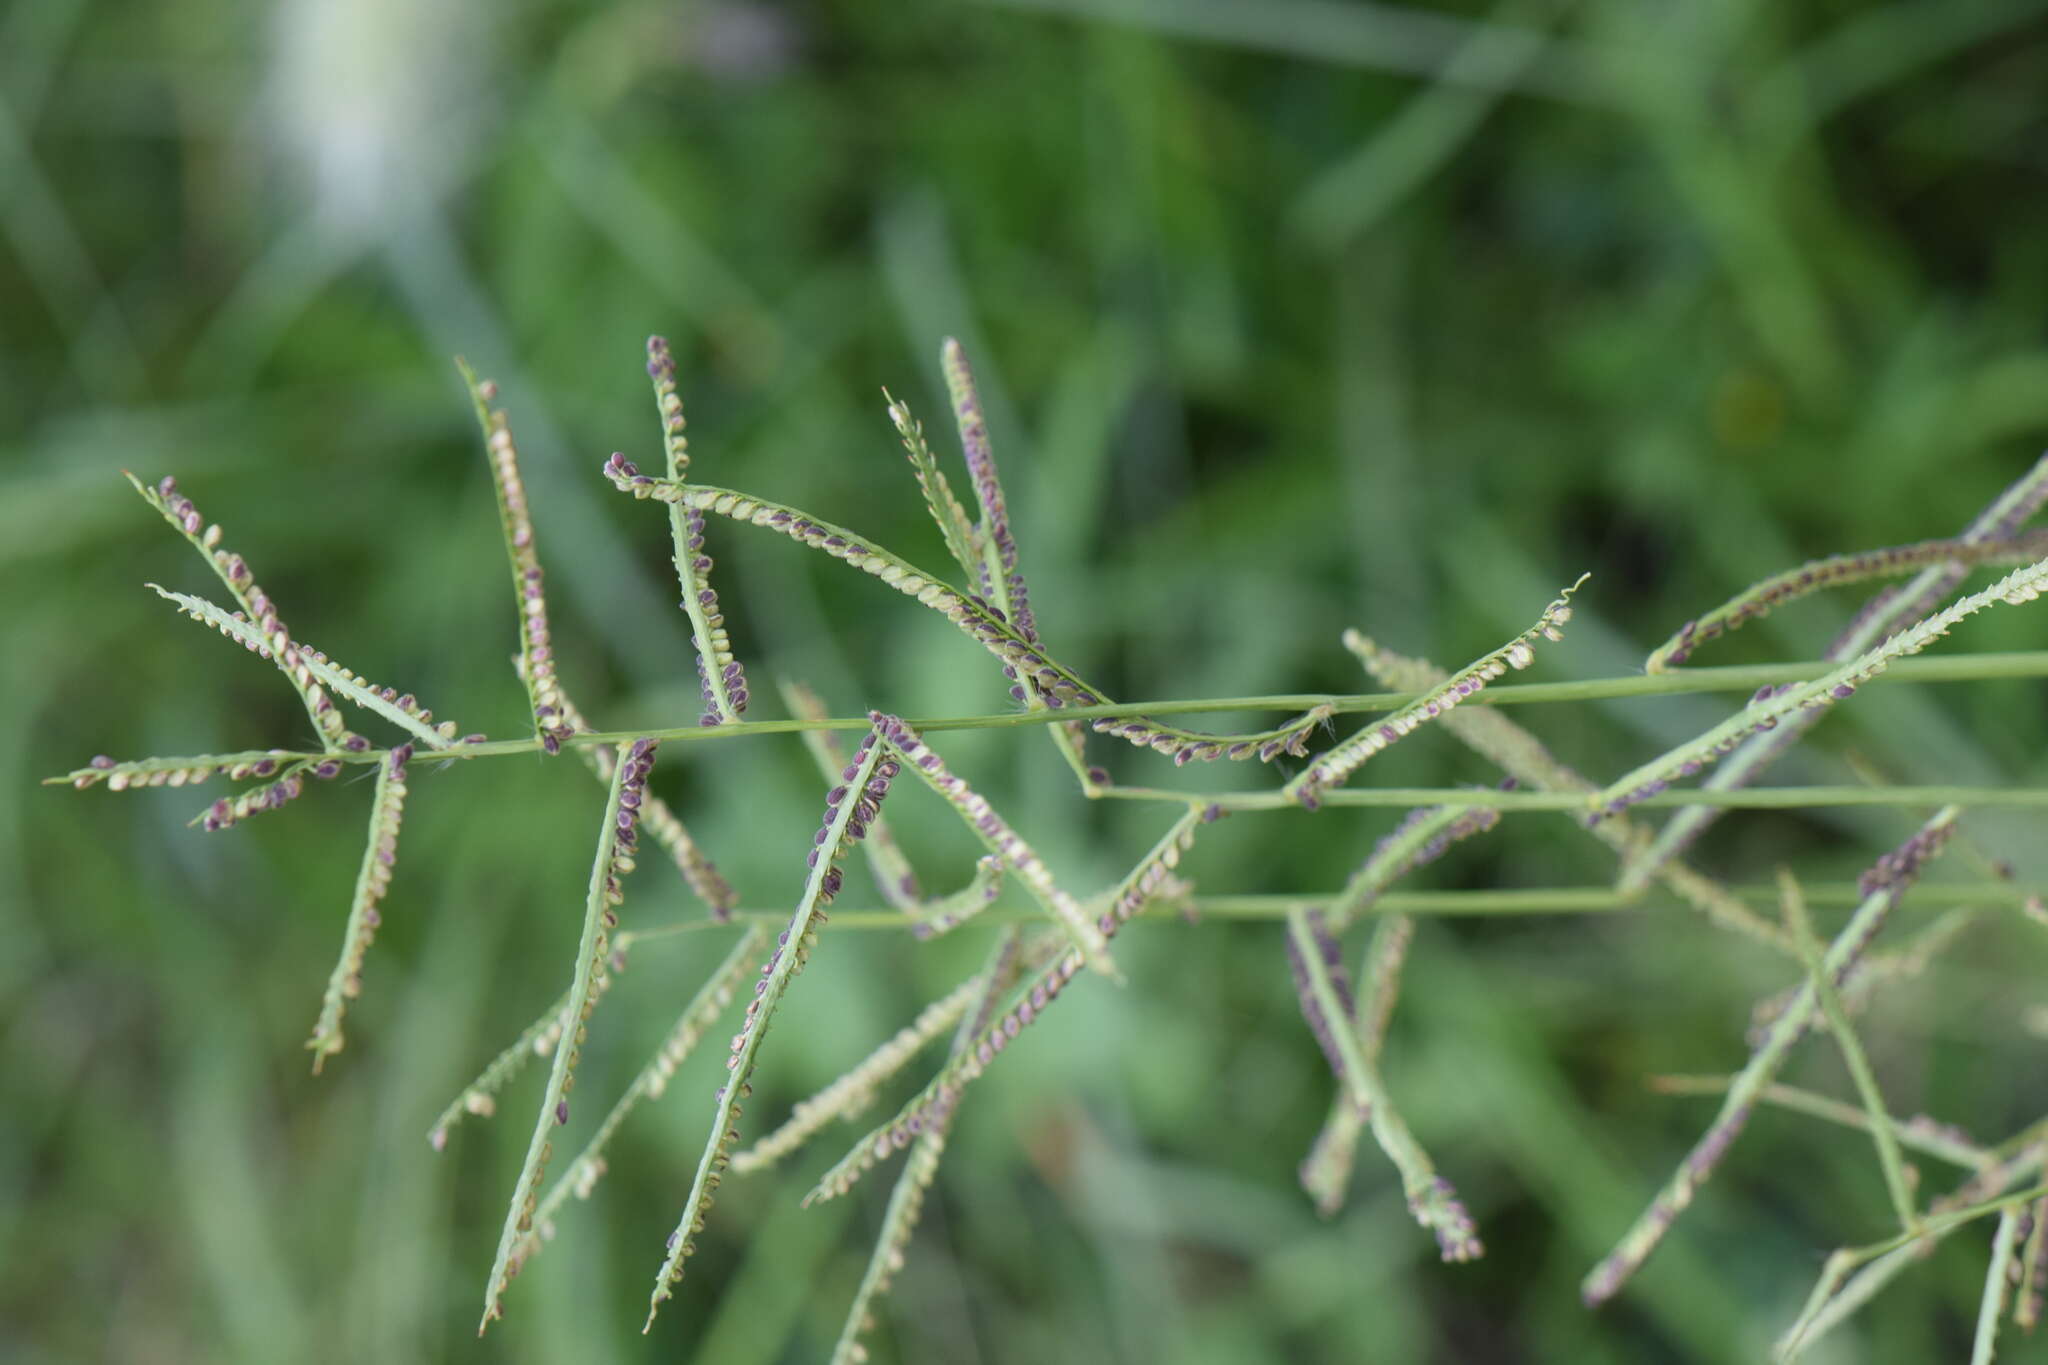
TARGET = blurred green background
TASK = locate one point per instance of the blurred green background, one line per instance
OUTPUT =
(1290, 315)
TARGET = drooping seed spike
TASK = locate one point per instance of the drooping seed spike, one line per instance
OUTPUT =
(373, 879)
(607, 872)
(536, 662)
(1334, 767)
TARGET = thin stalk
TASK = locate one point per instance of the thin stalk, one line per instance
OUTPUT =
(1960, 668)
(613, 861)
(1636, 1245)
(1992, 1308)
(1920, 1134)
(1551, 900)
(1821, 1313)
(1895, 1182)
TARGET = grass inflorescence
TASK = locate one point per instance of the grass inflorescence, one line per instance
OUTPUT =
(1037, 955)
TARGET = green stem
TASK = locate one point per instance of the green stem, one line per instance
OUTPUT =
(1961, 668)
(1860, 1071)
(1548, 900)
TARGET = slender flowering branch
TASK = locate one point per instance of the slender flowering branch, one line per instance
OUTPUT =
(942, 1093)
(1772, 705)
(615, 846)
(661, 822)
(380, 853)
(536, 645)
(480, 1097)
(995, 567)
(1997, 1285)
(1432, 1201)
(1001, 581)
(1422, 837)
(1001, 840)
(1686, 682)
(1839, 571)
(1883, 616)
(1527, 761)
(855, 1089)
(906, 1200)
(944, 914)
(1058, 686)
(1323, 989)
(2033, 1268)
(1326, 1170)
(723, 682)
(1835, 1295)
(1606, 1279)
(698, 1018)
(1828, 998)
(962, 541)
(288, 786)
(233, 570)
(1148, 880)
(894, 877)
(848, 811)
(538, 1039)
(1333, 768)
(402, 710)
(1922, 1134)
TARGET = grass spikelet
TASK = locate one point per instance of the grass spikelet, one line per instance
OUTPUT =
(387, 809)
(289, 785)
(1525, 758)
(1336, 766)
(1001, 840)
(698, 1018)
(233, 571)
(723, 681)
(173, 772)
(615, 847)
(536, 647)
(1771, 705)
(1838, 571)
(402, 710)
(906, 1200)
(1884, 615)
(848, 811)
(1326, 1003)
(1607, 1278)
